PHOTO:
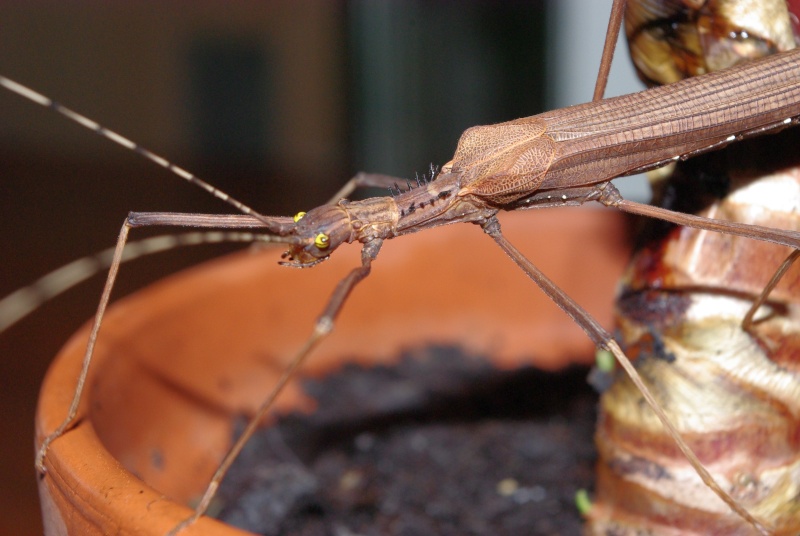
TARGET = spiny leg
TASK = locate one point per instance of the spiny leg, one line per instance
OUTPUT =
(322, 327)
(604, 340)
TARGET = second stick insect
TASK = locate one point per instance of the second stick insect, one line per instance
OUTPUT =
(563, 157)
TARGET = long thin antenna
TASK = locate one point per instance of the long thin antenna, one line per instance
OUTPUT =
(119, 139)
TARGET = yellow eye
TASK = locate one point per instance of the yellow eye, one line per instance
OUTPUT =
(322, 241)
(299, 216)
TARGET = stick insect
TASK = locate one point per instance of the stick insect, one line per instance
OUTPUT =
(536, 162)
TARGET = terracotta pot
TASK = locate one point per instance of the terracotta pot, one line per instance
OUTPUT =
(176, 362)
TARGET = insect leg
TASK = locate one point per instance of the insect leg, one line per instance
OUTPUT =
(87, 359)
(604, 340)
(747, 322)
(322, 327)
(612, 198)
(143, 219)
(614, 24)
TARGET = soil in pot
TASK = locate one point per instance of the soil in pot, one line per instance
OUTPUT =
(440, 443)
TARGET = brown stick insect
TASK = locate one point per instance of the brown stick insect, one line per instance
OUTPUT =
(559, 158)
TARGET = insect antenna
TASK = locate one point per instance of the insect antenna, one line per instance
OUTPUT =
(17, 305)
(117, 138)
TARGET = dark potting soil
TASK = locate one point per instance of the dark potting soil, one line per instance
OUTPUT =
(439, 444)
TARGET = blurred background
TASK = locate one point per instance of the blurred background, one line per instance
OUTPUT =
(277, 103)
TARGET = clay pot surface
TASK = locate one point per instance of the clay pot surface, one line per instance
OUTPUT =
(176, 362)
